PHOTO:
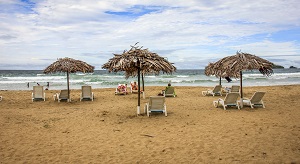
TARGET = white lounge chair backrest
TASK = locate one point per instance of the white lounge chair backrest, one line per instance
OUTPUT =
(86, 91)
(257, 97)
(170, 90)
(255, 100)
(156, 104)
(38, 93)
(231, 98)
(235, 88)
(217, 89)
(63, 94)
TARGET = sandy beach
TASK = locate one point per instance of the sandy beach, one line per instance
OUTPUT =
(107, 129)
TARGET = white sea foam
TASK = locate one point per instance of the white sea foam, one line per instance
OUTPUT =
(18, 80)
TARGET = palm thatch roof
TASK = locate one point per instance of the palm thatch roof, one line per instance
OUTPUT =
(150, 63)
(232, 65)
(69, 65)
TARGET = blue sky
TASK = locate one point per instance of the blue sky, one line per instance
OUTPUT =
(191, 33)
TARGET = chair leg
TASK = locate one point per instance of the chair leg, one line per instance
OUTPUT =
(216, 104)
(263, 104)
(145, 108)
(166, 114)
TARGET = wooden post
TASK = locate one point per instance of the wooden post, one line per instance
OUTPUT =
(139, 90)
(241, 83)
(68, 85)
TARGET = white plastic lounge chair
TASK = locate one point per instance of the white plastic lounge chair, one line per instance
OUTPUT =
(121, 89)
(156, 104)
(132, 89)
(215, 91)
(86, 93)
(38, 93)
(255, 100)
(63, 95)
(135, 90)
(170, 92)
(234, 88)
(229, 100)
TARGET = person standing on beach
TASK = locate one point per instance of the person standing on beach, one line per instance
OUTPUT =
(28, 85)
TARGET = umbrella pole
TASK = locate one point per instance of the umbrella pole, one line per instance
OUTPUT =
(139, 90)
(143, 82)
(241, 83)
(68, 86)
(143, 85)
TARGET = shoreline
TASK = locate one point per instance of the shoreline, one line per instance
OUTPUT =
(107, 129)
(18, 80)
(162, 85)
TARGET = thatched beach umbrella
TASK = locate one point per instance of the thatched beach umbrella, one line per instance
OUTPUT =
(232, 66)
(69, 65)
(136, 61)
(210, 70)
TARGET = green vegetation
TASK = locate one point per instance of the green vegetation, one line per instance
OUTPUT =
(275, 66)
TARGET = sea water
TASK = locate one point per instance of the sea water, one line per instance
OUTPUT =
(20, 79)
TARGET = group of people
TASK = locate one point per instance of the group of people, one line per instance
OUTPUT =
(122, 88)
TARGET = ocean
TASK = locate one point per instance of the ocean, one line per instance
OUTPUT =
(19, 79)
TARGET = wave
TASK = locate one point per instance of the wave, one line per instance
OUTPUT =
(13, 80)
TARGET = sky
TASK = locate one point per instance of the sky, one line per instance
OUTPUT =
(189, 33)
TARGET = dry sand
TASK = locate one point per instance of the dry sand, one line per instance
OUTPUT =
(107, 130)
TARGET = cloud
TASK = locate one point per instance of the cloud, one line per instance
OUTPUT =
(194, 32)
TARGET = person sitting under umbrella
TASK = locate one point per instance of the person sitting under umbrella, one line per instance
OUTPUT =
(165, 90)
(134, 86)
(122, 88)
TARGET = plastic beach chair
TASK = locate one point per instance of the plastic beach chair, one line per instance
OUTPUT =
(156, 104)
(255, 100)
(229, 100)
(86, 93)
(38, 93)
(215, 91)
